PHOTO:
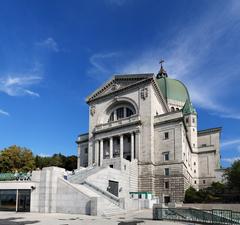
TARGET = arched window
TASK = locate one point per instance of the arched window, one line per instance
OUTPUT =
(120, 113)
(172, 109)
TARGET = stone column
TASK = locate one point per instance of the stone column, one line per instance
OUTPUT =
(121, 146)
(137, 145)
(96, 152)
(111, 148)
(114, 115)
(79, 155)
(124, 112)
(101, 152)
(132, 146)
(90, 153)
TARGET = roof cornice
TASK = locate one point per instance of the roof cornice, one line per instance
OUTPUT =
(210, 130)
(94, 96)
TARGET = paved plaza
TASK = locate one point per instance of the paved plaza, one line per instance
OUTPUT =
(132, 218)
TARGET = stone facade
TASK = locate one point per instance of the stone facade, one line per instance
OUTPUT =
(151, 123)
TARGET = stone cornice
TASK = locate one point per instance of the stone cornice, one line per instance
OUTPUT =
(142, 77)
(210, 130)
(138, 122)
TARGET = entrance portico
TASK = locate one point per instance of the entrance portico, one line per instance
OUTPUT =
(118, 146)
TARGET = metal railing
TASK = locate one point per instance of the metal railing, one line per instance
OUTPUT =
(124, 121)
(15, 176)
(81, 175)
(214, 216)
(107, 194)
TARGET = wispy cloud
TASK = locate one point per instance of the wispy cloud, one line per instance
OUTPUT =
(102, 65)
(230, 142)
(18, 85)
(3, 112)
(49, 43)
(192, 56)
(44, 154)
(230, 160)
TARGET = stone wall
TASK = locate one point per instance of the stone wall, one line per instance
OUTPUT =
(73, 199)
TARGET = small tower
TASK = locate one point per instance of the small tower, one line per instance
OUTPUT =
(190, 119)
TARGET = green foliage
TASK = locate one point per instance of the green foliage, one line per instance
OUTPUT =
(67, 162)
(210, 194)
(233, 176)
(191, 195)
(15, 158)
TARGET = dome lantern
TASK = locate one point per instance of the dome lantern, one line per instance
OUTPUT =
(162, 72)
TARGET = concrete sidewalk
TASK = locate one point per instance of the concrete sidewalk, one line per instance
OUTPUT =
(131, 218)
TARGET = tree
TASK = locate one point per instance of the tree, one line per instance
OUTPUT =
(192, 196)
(233, 176)
(71, 163)
(67, 162)
(16, 158)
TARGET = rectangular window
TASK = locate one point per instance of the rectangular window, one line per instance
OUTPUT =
(193, 120)
(166, 184)
(86, 150)
(166, 156)
(204, 182)
(120, 113)
(8, 200)
(166, 172)
(166, 135)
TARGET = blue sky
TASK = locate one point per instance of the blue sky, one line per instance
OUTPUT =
(55, 53)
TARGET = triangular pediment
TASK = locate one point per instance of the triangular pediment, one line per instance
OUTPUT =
(118, 82)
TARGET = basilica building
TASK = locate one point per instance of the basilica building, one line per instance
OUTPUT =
(145, 124)
(143, 147)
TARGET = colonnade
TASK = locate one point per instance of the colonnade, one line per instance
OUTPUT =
(115, 146)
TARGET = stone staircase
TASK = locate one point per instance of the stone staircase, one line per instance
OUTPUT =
(112, 198)
(111, 204)
(82, 174)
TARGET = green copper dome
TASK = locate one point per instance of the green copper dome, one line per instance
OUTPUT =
(173, 89)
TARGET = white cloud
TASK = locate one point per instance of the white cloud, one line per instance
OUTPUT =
(49, 43)
(32, 93)
(2, 112)
(230, 160)
(187, 55)
(17, 85)
(103, 64)
(230, 142)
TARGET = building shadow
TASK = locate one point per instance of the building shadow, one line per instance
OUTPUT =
(134, 222)
(12, 221)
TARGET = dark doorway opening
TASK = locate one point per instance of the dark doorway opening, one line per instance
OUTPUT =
(113, 187)
(166, 199)
(24, 197)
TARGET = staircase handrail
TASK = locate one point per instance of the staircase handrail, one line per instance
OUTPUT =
(110, 196)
